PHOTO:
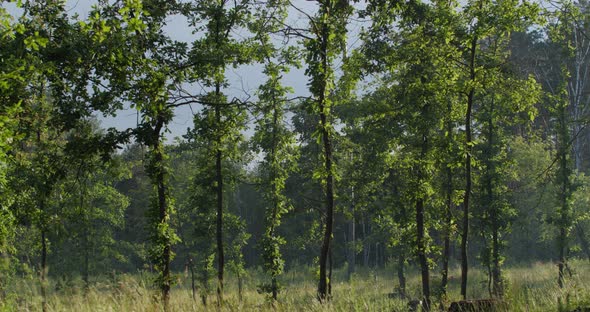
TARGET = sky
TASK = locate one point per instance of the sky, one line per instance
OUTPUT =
(242, 80)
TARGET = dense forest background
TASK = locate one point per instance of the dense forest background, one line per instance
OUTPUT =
(453, 134)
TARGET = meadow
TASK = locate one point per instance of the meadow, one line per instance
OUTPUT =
(529, 288)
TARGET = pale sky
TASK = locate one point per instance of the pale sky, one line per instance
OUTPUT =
(244, 78)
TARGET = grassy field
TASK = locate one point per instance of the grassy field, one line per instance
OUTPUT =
(530, 288)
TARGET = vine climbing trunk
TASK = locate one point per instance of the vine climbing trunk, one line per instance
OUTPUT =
(219, 220)
(494, 269)
(323, 284)
(43, 268)
(420, 235)
(564, 190)
(447, 239)
(468, 148)
(448, 222)
(324, 112)
(401, 276)
(497, 287)
(162, 210)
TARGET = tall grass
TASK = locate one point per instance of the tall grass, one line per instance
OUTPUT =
(529, 288)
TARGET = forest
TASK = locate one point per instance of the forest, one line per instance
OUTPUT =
(436, 160)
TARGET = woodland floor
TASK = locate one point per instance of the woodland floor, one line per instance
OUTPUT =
(530, 288)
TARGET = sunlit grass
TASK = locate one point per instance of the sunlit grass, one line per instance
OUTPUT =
(530, 288)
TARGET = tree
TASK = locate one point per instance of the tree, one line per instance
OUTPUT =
(508, 102)
(419, 83)
(220, 121)
(92, 209)
(481, 20)
(272, 137)
(326, 41)
(568, 105)
(140, 65)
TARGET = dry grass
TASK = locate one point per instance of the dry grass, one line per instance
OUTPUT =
(530, 288)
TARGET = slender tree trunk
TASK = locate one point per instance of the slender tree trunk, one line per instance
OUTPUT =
(43, 269)
(240, 286)
(447, 240)
(219, 224)
(163, 214)
(564, 196)
(421, 231)
(420, 245)
(275, 287)
(366, 244)
(193, 286)
(219, 220)
(401, 277)
(86, 245)
(351, 239)
(323, 283)
(330, 264)
(468, 148)
(86, 274)
(562, 257)
(494, 270)
(328, 158)
(448, 222)
(498, 290)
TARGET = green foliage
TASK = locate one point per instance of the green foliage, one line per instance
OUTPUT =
(272, 138)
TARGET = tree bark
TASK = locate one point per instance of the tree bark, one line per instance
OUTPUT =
(497, 287)
(565, 190)
(329, 220)
(219, 220)
(448, 222)
(163, 211)
(193, 286)
(324, 111)
(466, 196)
(420, 244)
(351, 239)
(401, 277)
(43, 268)
(447, 247)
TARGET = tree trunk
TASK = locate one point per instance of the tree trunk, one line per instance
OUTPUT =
(240, 286)
(420, 245)
(330, 264)
(448, 222)
(497, 288)
(193, 286)
(43, 268)
(421, 231)
(366, 244)
(86, 273)
(219, 220)
(275, 287)
(351, 240)
(468, 143)
(323, 283)
(564, 194)
(495, 273)
(401, 277)
(327, 146)
(447, 239)
(163, 215)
